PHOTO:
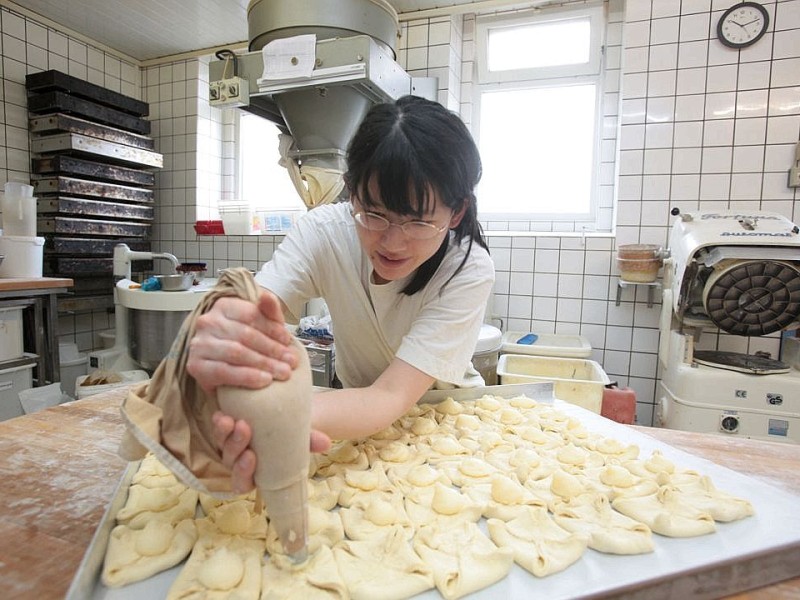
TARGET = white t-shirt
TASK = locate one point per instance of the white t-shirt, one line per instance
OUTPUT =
(434, 330)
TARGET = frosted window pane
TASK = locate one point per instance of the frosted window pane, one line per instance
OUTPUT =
(537, 150)
(543, 45)
(264, 182)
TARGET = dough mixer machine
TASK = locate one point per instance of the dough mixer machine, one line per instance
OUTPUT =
(731, 291)
(146, 322)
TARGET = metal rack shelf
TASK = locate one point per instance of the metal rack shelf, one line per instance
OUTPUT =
(652, 286)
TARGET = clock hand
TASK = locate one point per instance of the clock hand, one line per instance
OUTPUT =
(749, 23)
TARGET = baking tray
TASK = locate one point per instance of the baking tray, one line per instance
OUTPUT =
(756, 551)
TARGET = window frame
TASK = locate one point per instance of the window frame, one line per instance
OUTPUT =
(593, 71)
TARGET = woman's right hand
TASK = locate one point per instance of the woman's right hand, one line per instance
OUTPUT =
(241, 343)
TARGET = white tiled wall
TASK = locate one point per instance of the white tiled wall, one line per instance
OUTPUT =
(700, 126)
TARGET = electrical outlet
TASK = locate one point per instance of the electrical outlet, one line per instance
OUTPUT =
(233, 91)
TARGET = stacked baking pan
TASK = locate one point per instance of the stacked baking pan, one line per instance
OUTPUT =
(92, 171)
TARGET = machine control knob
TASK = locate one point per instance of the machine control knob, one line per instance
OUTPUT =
(729, 423)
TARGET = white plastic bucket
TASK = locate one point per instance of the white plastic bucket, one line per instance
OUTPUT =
(19, 210)
(487, 352)
(73, 364)
(23, 256)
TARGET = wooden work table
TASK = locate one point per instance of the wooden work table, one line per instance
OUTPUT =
(39, 294)
(60, 468)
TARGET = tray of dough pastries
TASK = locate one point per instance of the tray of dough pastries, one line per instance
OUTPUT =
(500, 492)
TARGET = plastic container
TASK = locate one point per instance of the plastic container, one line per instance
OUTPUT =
(73, 364)
(487, 352)
(108, 338)
(619, 404)
(128, 377)
(578, 381)
(209, 227)
(24, 256)
(12, 381)
(279, 221)
(38, 398)
(11, 345)
(546, 344)
(238, 218)
(639, 263)
(19, 210)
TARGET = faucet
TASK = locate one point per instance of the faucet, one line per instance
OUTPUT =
(123, 256)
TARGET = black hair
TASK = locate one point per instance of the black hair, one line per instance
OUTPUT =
(413, 147)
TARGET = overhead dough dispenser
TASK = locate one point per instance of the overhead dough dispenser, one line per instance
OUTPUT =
(315, 72)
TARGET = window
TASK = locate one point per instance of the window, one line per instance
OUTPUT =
(260, 179)
(538, 119)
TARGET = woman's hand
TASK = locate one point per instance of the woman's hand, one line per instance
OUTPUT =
(241, 343)
(233, 439)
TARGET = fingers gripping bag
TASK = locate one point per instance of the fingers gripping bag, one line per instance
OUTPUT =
(170, 415)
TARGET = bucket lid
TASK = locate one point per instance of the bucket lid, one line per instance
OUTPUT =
(15, 188)
(23, 239)
(68, 351)
(489, 339)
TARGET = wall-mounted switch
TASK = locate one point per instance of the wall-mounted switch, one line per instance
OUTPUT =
(233, 91)
(794, 171)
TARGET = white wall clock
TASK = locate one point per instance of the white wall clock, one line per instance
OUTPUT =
(742, 24)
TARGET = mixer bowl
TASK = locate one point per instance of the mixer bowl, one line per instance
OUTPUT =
(149, 322)
(151, 334)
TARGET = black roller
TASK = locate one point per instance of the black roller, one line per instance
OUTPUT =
(754, 298)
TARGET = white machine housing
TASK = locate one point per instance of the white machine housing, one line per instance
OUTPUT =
(737, 274)
(145, 323)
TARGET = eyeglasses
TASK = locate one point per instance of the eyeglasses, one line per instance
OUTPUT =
(418, 230)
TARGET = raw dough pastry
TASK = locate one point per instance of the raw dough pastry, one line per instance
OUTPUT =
(664, 512)
(443, 504)
(449, 407)
(321, 494)
(220, 568)
(468, 471)
(153, 474)
(341, 457)
(416, 479)
(136, 554)
(209, 503)
(383, 567)
(317, 578)
(503, 498)
(356, 483)
(174, 503)
(462, 558)
(238, 517)
(375, 516)
(325, 529)
(608, 530)
(723, 507)
(445, 446)
(537, 542)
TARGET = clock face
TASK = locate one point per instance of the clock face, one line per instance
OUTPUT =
(742, 24)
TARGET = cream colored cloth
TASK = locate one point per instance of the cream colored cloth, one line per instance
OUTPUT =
(170, 415)
(315, 185)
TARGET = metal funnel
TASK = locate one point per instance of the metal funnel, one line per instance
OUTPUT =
(322, 118)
